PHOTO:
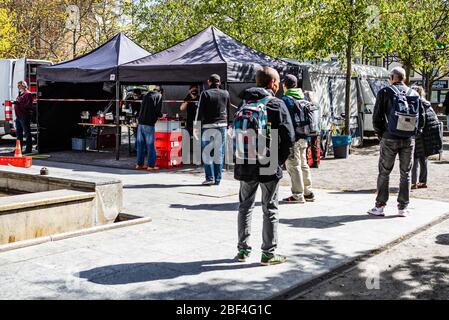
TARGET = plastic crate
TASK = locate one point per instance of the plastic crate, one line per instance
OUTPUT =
(167, 125)
(23, 162)
(98, 120)
(169, 154)
(174, 162)
(340, 141)
(167, 146)
(168, 136)
(168, 141)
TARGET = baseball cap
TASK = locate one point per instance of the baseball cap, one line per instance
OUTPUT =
(215, 78)
(290, 81)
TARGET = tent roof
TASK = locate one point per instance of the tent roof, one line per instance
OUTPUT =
(195, 59)
(336, 69)
(97, 65)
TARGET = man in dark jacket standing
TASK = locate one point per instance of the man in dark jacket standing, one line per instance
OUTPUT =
(213, 114)
(23, 107)
(251, 175)
(150, 112)
(392, 145)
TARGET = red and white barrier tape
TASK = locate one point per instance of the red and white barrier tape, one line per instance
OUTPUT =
(99, 100)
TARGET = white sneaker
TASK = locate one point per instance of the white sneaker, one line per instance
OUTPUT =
(377, 211)
(403, 213)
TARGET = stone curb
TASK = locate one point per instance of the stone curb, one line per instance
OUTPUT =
(68, 235)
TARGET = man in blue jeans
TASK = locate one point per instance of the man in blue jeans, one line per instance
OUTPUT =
(150, 112)
(213, 113)
(23, 107)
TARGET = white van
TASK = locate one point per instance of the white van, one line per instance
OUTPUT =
(328, 81)
(11, 72)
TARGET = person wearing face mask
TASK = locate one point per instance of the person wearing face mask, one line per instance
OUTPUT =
(23, 108)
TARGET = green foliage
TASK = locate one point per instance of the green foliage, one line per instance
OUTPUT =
(161, 24)
(418, 34)
(6, 34)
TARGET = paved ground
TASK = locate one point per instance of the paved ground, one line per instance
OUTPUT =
(187, 251)
(415, 269)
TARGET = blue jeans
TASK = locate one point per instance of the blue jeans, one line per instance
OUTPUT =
(145, 138)
(24, 125)
(213, 140)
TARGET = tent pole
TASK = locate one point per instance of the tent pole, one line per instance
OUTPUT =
(117, 120)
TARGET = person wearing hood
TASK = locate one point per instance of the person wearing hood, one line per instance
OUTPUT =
(254, 174)
(297, 165)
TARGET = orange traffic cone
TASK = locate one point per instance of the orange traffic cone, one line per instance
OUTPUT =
(18, 153)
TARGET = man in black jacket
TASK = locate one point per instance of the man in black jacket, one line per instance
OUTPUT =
(213, 114)
(392, 145)
(150, 112)
(267, 176)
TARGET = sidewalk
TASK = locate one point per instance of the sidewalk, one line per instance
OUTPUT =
(187, 251)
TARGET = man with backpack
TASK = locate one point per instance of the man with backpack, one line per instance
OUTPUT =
(297, 165)
(213, 112)
(267, 119)
(398, 117)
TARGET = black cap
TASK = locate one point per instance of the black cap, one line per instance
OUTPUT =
(290, 81)
(215, 78)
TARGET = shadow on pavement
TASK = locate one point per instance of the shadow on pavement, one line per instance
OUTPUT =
(327, 222)
(414, 278)
(151, 271)
(160, 186)
(443, 239)
(210, 206)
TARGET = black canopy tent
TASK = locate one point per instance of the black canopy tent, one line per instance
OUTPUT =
(195, 59)
(93, 76)
(192, 62)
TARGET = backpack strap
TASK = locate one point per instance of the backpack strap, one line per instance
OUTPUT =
(409, 92)
(395, 89)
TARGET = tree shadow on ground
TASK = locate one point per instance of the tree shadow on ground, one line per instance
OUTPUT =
(409, 278)
(414, 278)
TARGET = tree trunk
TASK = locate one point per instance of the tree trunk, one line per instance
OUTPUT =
(74, 44)
(348, 78)
(408, 70)
(428, 86)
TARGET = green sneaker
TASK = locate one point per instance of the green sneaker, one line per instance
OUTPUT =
(273, 259)
(243, 255)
